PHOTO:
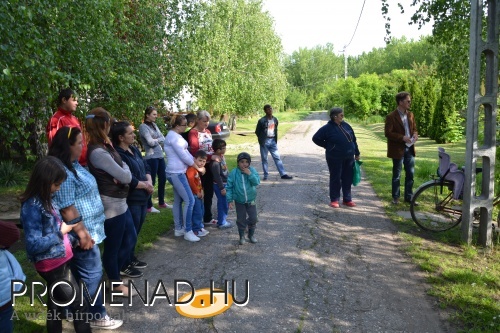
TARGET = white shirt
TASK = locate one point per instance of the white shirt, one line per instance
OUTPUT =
(178, 156)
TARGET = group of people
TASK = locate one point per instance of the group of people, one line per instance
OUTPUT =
(96, 187)
(341, 151)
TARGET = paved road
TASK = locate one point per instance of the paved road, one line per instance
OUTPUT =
(315, 269)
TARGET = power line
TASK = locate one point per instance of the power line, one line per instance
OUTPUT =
(359, 19)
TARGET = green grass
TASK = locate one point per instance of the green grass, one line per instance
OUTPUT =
(465, 279)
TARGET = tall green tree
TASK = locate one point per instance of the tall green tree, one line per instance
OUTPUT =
(313, 71)
(113, 53)
(236, 57)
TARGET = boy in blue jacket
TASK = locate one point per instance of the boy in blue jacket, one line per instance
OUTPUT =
(242, 189)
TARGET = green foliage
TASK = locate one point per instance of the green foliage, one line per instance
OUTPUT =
(113, 53)
(235, 57)
(296, 98)
(313, 72)
(446, 123)
(9, 173)
(428, 107)
(398, 54)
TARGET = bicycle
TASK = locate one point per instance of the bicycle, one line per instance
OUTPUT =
(437, 204)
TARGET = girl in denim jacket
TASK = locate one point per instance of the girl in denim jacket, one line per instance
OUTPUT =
(47, 242)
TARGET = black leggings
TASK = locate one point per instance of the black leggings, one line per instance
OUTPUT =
(207, 181)
(62, 294)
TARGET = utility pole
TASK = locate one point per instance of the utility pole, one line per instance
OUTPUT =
(345, 61)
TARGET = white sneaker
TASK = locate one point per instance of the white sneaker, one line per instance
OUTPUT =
(190, 236)
(178, 233)
(202, 232)
(153, 210)
(106, 323)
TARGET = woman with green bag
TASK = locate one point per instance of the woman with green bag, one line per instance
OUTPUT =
(341, 150)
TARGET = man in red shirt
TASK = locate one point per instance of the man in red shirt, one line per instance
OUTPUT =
(67, 103)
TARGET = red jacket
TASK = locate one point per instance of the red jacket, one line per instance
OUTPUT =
(65, 118)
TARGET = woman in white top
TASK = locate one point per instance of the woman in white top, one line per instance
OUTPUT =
(178, 160)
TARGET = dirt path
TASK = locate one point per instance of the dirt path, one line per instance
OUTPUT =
(315, 269)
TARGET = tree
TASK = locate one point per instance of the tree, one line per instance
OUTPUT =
(236, 58)
(428, 107)
(313, 71)
(398, 54)
(113, 53)
(446, 123)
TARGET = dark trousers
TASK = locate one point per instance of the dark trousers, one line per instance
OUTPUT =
(408, 161)
(157, 166)
(340, 177)
(138, 213)
(207, 181)
(62, 294)
(119, 244)
(244, 210)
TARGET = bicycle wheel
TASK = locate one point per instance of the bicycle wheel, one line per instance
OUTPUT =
(436, 210)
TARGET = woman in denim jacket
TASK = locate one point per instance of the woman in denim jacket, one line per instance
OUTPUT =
(47, 242)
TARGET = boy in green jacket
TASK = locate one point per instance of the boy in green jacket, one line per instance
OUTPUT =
(242, 188)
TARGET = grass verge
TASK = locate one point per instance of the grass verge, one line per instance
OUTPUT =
(465, 279)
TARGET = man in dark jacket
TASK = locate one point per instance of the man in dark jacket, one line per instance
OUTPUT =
(401, 134)
(267, 133)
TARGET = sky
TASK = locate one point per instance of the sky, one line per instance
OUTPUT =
(308, 23)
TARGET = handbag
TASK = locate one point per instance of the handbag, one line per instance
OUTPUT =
(356, 174)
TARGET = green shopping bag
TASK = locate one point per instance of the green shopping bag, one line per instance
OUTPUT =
(356, 175)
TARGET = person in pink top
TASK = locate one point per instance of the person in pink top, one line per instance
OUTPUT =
(67, 102)
(48, 245)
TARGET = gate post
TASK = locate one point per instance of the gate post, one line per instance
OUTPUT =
(483, 55)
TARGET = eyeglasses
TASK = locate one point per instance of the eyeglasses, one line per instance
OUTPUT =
(183, 125)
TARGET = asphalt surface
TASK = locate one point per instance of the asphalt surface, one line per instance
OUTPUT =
(314, 269)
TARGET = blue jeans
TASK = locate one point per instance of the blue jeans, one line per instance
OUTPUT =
(86, 266)
(340, 177)
(408, 161)
(119, 244)
(222, 206)
(198, 211)
(182, 193)
(138, 216)
(6, 323)
(270, 146)
(157, 166)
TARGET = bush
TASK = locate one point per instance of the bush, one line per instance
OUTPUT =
(9, 172)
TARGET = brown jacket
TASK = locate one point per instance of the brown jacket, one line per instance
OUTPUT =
(395, 131)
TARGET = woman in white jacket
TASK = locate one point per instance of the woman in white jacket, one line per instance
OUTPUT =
(178, 160)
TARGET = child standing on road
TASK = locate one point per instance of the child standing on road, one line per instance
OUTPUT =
(219, 171)
(194, 180)
(242, 188)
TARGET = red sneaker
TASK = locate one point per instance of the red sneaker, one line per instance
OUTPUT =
(334, 204)
(349, 204)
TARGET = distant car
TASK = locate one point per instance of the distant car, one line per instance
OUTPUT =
(219, 129)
